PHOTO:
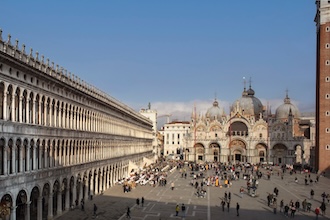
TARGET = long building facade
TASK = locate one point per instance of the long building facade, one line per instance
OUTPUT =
(62, 140)
(322, 20)
(248, 134)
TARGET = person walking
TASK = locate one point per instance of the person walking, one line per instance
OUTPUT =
(172, 185)
(137, 201)
(323, 208)
(128, 212)
(95, 209)
(223, 203)
(177, 209)
(229, 196)
(82, 203)
(317, 212)
(142, 201)
(228, 205)
(237, 209)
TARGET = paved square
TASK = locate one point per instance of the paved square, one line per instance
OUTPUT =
(160, 202)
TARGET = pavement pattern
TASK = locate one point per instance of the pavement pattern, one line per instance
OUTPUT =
(160, 202)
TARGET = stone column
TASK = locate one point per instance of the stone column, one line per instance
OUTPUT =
(13, 160)
(39, 113)
(74, 193)
(50, 206)
(13, 213)
(27, 158)
(39, 212)
(20, 108)
(5, 116)
(4, 162)
(13, 107)
(60, 116)
(27, 216)
(33, 111)
(59, 155)
(34, 157)
(27, 110)
(67, 199)
(59, 203)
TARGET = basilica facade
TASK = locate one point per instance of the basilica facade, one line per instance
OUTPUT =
(62, 140)
(250, 133)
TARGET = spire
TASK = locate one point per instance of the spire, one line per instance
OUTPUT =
(244, 91)
(287, 99)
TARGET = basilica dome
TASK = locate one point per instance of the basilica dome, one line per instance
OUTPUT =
(283, 111)
(215, 112)
(248, 104)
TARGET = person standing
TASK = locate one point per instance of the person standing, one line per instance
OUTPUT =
(177, 209)
(237, 209)
(323, 208)
(172, 185)
(312, 193)
(229, 196)
(275, 206)
(142, 201)
(95, 209)
(228, 205)
(281, 205)
(183, 209)
(137, 201)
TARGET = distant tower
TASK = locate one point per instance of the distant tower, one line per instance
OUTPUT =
(322, 149)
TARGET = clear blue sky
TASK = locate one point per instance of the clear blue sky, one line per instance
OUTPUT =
(175, 53)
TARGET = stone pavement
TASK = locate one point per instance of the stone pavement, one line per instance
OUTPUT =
(160, 201)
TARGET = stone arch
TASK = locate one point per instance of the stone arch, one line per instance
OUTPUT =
(10, 101)
(2, 95)
(56, 194)
(6, 202)
(34, 198)
(261, 152)
(215, 151)
(45, 200)
(24, 110)
(279, 153)
(18, 155)
(3, 158)
(64, 192)
(238, 128)
(21, 200)
(199, 152)
(16, 104)
(37, 110)
(237, 151)
(30, 108)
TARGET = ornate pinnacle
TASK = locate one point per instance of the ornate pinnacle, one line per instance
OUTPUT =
(8, 41)
(23, 48)
(37, 55)
(31, 53)
(1, 34)
(16, 45)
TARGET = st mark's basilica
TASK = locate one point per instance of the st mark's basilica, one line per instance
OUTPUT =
(251, 133)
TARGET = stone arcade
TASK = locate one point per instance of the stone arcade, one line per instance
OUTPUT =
(62, 140)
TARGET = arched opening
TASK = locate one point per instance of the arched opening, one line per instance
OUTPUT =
(45, 200)
(2, 95)
(279, 154)
(21, 205)
(34, 203)
(6, 204)
(238, 128)
(2, 156)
